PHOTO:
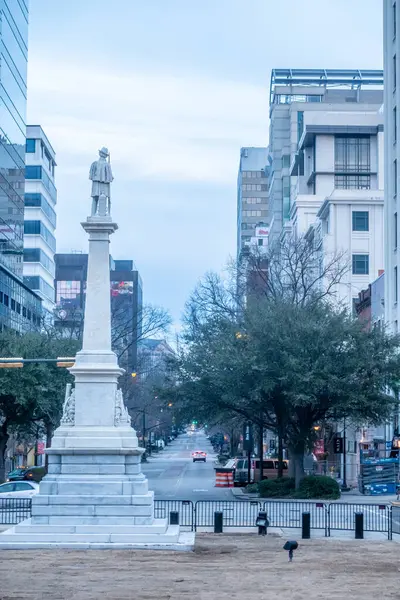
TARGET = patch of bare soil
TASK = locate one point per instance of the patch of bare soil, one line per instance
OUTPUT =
(223, 566)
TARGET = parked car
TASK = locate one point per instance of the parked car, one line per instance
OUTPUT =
(18, 489)
(27, 473)
(199, 456)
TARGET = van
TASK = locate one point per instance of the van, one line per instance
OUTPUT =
(270, 470)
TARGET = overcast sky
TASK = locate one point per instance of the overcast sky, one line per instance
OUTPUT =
(174, 88)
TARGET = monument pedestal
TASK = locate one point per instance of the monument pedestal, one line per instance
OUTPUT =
(95, 495)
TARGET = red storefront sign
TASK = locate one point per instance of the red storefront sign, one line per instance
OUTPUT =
(319, 447)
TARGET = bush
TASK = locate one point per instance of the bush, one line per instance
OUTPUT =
(276, 488)
(319, 487)
(252, 488)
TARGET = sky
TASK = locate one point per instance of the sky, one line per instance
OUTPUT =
(174, 89)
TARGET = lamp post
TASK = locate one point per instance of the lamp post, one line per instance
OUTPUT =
(345, 487)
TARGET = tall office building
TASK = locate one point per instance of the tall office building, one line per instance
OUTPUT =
(299, 97)
(252, 194)
(40, 216)
(391, 36)
(20, 308)
(126, 297)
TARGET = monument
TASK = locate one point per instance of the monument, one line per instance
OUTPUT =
(95, 495)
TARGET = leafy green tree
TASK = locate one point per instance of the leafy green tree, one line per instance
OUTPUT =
(31, 397)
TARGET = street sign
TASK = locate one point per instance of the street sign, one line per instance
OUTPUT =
(338, 445)
(248, 437)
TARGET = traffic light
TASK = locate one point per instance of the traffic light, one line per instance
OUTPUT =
(11, 363)
(65, 361)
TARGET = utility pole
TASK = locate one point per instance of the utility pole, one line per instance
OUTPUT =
(345, 487)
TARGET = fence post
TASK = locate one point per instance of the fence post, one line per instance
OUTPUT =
(359, 526)
(390, 523)
(174, 517)
(218, 522)
(305, 525)
(327, 520)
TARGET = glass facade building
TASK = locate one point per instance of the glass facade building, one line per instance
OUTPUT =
(19, 307)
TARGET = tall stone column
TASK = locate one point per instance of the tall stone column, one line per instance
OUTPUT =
(95, 495)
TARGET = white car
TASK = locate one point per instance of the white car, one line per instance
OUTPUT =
(18, 489)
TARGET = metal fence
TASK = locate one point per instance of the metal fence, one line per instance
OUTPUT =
(380, 518)
(14, 510)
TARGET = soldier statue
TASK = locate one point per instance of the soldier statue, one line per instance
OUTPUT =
(101, 176)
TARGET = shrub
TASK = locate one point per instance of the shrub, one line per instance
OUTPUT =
(276, 488)
(252, 488)
(319, 487)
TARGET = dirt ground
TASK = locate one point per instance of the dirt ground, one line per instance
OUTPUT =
(226, 566)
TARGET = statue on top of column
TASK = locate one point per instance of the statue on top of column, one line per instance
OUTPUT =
(101, 176)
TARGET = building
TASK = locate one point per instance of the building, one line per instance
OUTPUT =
(20, 308)
(40, 216)
(153, 356)
(252, 193)
(391, 53)
(309, 107)
(126, 296)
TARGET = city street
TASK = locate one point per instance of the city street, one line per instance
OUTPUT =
(172, 474)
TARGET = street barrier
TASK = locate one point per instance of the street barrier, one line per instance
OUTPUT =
(334, 516)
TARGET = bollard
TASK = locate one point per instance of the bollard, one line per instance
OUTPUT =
(174, 517)
(359, 526)
(218, 520)
(305, 525)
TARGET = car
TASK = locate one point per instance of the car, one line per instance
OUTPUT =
(18, 489)
(29, 473)
(199, 456)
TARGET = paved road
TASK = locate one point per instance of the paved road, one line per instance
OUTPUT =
(172, 474)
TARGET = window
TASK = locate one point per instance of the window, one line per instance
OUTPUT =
(395, 230)
(36, 172)
(360, 220)
(38, 228)
(395, 176)
(12, 304)
(286, 161)
(352, 182)
(300, 124)
(6, 300)
(360, 264)
(396, 283)
(394, 20)
(352, 154)
(24, 311)
(21, 486)
(37, 255)
(394, 73)
(34, 282)
(30, 146)
(260, 242)
(394, 125)
(8, 487)
(37, 200)
(286, 197)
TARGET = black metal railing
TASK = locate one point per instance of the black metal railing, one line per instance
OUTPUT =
(14, 510)
(334, 516)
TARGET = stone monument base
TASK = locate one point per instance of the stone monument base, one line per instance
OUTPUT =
(95, 497)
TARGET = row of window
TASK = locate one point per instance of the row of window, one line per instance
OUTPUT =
(352, 182)
(37, 172)
(252, 200)
(37, 255)
(352, 154)
(37, 283)
(253, 174)
(38, 200)
(254, 187)
(38, 228)
(251, 213)
(21, 310)
(289, 98)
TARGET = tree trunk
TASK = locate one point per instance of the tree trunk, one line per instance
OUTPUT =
(261, 450)
(280, 456)
(49, 436)
(298, 460)
(4, 436)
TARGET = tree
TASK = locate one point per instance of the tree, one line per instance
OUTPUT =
(284, 357)
(34, 394)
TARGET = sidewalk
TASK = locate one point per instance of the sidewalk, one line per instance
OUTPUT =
(352, 497)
